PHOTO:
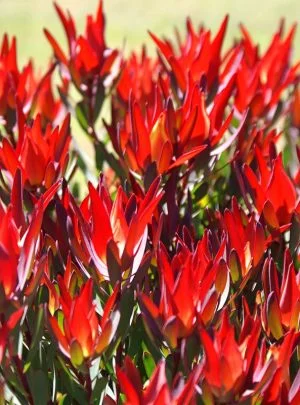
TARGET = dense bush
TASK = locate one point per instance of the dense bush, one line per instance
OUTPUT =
(175, 279)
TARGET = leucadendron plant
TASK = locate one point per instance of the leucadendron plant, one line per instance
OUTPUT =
(172, 277)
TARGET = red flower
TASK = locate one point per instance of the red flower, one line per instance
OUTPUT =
(281, 306)
(169, 137)
(51, 109)
(139, 79)
(271, 374)
(83, 334)
(295, 107)
(18, 241)
(198, 55)
(26, 91)
(180, 308)
(114, 233)
(14, 85)
(227, 362)
(41, 157)
(273, 192)
(262, 139)
(246, 240)
(9, 251)
(261, 80)
(88, 54)
(157, 390)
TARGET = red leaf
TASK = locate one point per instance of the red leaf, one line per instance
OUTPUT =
(283, 202)
(187, 156)
(132, 396)
(212, 363)
(17, 200)
(101, 228)
(58, 52)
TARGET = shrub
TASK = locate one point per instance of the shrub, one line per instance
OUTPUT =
(175, 279)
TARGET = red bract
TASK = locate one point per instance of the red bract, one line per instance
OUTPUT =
(25, 90)
(261, 80)
(83, 334)
(181, 307)
(295, 108)
(192, 243)
(9, 251)
(271, 374)
(158, 390)
(241, 370)
(18, 241)
(41, 156)
(297, 173)
(14, 85)
(276, 205)
(139, 79)
(115, 233)
(169, 137)
(281, 306)
(246, 239)
(50, 108)
(262, 139)
(198, 55)
(227, 362)
(88, 56)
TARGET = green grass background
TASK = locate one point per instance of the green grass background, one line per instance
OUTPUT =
(127, 22)
(130, 19)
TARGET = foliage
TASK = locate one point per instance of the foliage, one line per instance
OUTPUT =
(175, 280)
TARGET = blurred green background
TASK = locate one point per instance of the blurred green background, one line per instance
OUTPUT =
(127, 22)
(130, 20)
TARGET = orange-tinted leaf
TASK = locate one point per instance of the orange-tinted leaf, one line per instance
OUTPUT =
(274, 316)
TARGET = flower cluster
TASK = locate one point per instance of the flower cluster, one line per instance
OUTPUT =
(164, 268)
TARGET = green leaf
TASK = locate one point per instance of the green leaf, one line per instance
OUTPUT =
(60, 319)
(100, 97)
(102, 155)
(274, 316)
(76, 190)
(220, 184)
(76, 354)
(14, 387)
(149, 363)
(81, 115)
(294, 234)
(136, 337)
(127, 308)
(99, 391)
(68, 382)
(99, 157)
(38, 333)
(152, 348)
(201, 191)
(38, 383)
(192, 350)
(62, 399)
(235, 266)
